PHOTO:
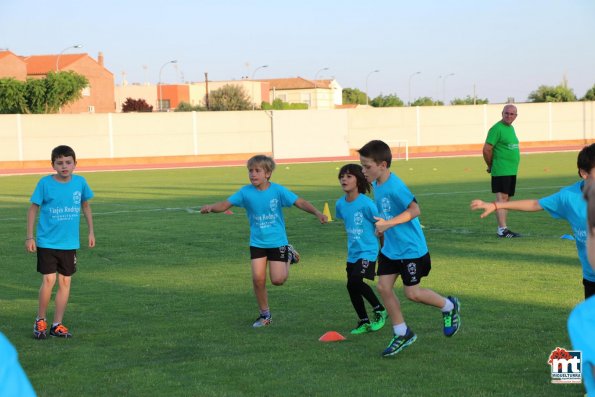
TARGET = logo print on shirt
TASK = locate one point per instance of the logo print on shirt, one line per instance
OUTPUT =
(76, 198)
(358, 218)
(385, 205)
(274, 203)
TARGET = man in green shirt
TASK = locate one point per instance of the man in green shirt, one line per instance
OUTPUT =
(502, 156)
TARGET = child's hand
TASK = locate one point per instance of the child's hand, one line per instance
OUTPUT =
(205, 209)
(91, 240)
(381, 226)
(322, 218)
(30, 245)
(487, 208)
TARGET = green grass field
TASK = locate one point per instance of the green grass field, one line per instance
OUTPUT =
(163, 306)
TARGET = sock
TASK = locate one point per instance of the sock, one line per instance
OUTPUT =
(501, 229)
(448, 306)
(378, 308)
(55, 324)
(265, 313)
(400, 329)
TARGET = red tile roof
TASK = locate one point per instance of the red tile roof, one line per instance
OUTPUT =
(42, 64)
(296, 83)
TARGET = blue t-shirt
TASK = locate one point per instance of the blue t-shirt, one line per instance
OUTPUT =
(404, 241)
(358, 216)
(581, 328)
(13, 380)
(569, 204)
(265, 214)
(60, 211)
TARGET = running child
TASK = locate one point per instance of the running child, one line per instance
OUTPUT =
(60, 197)
(358, 211)
(404, 251)
(263, 201)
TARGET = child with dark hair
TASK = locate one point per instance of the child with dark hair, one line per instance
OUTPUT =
(568, 204)
(357, 212)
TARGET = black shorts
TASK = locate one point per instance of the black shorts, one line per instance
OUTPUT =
(51, 260)
(411, 270)
(504, 184)
(589, 288)
(272, 254)
(362, 268)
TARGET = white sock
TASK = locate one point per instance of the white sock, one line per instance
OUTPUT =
(448, 306)
(400, 329)
(501, 229)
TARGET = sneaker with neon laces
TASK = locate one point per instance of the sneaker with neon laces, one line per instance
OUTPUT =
(380, 317)
(507, 233)
(363, 327)
(399, 342)
(262, 321)
(60, 331)
(293, 257)
(452, 319)
(40, 328)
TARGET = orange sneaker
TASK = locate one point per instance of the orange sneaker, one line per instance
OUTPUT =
(40, 328)
(61, 331)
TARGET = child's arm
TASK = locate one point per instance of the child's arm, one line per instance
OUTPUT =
(221, 206)
(308, 207)
(30, 238)
(589, 192)
(410, 213)
(89, 217)
(520, 205)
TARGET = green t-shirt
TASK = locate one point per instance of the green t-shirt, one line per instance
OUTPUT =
(506, 154)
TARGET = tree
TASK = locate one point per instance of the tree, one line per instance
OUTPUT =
(229, 97)
(589, 95)
(426, 101)
(560, 93)
(353, 95)
(12, 96)
(468, 101)
(386, 101)
(186, 107)
(45, 95)
(278, 104)
(136, 105)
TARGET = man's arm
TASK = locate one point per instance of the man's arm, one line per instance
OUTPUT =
(488, 155)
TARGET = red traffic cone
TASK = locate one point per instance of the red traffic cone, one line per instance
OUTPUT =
(228, 212)
(331, 336)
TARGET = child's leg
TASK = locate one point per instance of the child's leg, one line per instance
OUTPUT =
(259, 278)
(62, 297)
(279, 272)
(391, 302)
(355, 286)
(426, 296)
(45, 293)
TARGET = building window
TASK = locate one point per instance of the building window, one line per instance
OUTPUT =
(86, 91)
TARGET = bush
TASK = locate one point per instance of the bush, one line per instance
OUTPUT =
(136, 105)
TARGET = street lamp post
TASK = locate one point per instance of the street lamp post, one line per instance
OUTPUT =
(315, 87)
(410, 77)
(252, 82)
(63, 51)
(161, 70)
(444, 87)
(367, 77)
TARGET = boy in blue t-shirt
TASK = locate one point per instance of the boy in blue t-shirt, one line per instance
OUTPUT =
(567, 204)
(59, 198)
(264, 201)
(357, 212)
(404, 251)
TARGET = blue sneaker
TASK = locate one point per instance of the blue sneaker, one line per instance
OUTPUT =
(262, 321)
(399, 342)
(293, 257)
(452, 319)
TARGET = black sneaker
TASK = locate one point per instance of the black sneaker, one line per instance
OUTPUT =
(507, 233)
(398, 343)
(60, 331)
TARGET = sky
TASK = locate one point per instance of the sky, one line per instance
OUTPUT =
(492, 49)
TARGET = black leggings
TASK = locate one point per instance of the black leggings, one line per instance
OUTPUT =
(358, 290)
